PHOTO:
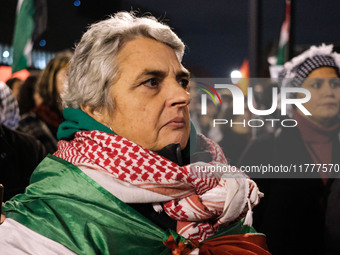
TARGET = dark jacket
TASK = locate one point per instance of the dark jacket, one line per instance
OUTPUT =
(332, 224)
(30, 124)
(19, 156)
(292, 212)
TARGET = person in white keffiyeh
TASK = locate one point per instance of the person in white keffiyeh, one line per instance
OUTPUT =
(313, 141)
(128, 129)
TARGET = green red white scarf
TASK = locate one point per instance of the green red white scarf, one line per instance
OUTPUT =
(201, 202)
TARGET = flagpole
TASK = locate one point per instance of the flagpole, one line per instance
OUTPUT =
(291, 44)
(254, 46)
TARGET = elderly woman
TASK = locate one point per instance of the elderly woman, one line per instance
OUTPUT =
(292, 214)
(121, 181)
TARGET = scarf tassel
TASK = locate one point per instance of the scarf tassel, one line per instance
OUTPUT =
(249, 217)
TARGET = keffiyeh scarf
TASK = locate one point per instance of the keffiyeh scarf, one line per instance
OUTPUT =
(201, 200)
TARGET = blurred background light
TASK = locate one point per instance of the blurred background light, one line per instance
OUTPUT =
(76, 3)
(235, 76)
(5, 54)
(42, 43)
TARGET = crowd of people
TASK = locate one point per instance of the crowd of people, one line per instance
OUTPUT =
(299, 213)
(125, 176)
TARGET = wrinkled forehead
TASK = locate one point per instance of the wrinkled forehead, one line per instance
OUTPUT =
(147, 54)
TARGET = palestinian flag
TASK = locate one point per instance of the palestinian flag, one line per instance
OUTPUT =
(244, 81)
(31, 20)
(67, 207)
(284, 37)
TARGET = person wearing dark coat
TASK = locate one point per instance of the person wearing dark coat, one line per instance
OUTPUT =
(19, 156)
(293, 211)
(19, 152)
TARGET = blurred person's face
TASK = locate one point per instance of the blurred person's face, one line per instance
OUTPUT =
(151, 96)
(211, 109)
(37, 99)
(324, 86)
(16, 88)
(61, 77)
(240, 129)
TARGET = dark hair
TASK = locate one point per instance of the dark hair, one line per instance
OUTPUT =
(47, 85)
(11, 81)
(25, 99)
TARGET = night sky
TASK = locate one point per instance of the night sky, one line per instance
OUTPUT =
(215, 32)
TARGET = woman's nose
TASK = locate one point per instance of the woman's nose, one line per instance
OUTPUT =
(177, 96)
(327, 88)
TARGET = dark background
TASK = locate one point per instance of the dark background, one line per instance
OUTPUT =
(215, 32)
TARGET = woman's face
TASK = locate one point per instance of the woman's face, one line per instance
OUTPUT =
(16, 88)
(61, 78)
(324, 86)
(151, 96)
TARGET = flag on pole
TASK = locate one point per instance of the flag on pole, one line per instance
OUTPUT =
(243, 84)
(31, 20)
(282, 56)
(22, 42)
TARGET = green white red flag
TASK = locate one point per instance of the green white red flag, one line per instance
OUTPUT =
(282, 56)
(31, 19)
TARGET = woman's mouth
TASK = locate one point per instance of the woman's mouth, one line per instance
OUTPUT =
(175, 123)
(329, 105)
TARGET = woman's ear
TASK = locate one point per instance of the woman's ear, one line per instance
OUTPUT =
(95, 114)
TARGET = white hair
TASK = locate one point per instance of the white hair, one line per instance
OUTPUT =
(93, 66)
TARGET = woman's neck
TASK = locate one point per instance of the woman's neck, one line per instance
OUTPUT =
(326, 123)
(312, 130)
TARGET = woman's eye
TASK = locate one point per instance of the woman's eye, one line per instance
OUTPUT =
(335, 83)
(184, 83)
(316, 84)
(152, 83)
